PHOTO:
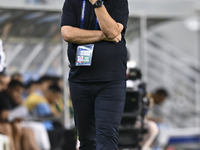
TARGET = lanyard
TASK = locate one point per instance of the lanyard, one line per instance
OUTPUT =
(83, 16)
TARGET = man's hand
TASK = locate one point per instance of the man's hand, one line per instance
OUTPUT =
(92, 1)
(116, 40)
(4, 115)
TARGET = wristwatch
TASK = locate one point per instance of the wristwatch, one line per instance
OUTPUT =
(98, 4)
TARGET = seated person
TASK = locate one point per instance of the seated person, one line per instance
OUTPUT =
(30, 87)
(156, 99)
(156, 113)
(10, 99)
(44, 105)
(38, 128)
(44, 82)
(151, 126)
(159, 96)
(150, 122)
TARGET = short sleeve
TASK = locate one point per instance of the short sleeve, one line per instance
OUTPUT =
(121, 12)
(68, 17)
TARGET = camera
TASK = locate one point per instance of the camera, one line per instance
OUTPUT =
(135, 110)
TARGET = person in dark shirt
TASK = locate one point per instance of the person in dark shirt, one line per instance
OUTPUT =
(95, 32)
(10, 99)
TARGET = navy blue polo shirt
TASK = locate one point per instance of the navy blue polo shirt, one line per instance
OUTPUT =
(109, 58)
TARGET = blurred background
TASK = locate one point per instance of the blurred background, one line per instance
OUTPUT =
(163, 41)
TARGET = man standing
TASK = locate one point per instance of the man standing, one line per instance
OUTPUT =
(95, 30)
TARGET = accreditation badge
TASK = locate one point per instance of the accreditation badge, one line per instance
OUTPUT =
(84, 55)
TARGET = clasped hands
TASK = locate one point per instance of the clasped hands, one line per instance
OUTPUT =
(115, 40)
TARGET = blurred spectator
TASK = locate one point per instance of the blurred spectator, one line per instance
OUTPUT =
(159, 96)
(10, 99)
(59, 106)
(4, 81)
(155, 114)
(53, 95)
(38, 88)
(58, 81)
(39, 129)
(44, 105)
(17, 76)
(151, 127)
(31, 87)
(47, 93)
(45, 82)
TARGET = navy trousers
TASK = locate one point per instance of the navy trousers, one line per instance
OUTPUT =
(98, 109)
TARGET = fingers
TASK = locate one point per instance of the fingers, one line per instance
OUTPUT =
(115, 40)
(118, 38)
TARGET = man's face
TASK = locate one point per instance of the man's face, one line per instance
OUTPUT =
(16, 94)
(53, 97)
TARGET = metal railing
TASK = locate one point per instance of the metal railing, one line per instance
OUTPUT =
(170, 67)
